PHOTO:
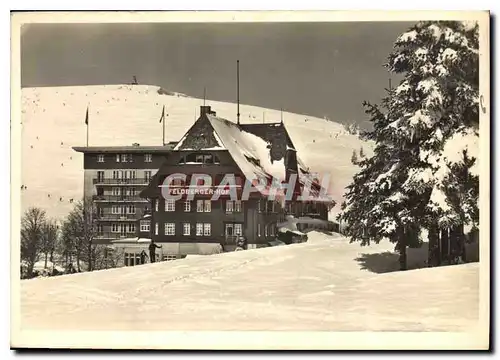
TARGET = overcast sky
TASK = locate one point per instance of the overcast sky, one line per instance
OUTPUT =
(319, 69)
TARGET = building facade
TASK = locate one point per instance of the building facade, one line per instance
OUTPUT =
(113, 179)
(216, 147)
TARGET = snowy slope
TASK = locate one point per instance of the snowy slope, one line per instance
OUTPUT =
(324, 284)
(53, 122)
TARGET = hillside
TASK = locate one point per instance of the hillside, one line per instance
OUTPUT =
(324, 284)
(53, 122)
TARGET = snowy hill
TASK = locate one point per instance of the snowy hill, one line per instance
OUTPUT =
(324, 284)
(53, 122)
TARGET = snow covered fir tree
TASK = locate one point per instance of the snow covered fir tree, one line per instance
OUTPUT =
(423, 179)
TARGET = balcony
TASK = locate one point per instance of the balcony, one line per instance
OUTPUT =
(118, 217)
(118, 198)
(123, 182)
(115, 235)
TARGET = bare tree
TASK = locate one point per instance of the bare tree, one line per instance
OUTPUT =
(49, 240)
(79, 231)
(32, 225)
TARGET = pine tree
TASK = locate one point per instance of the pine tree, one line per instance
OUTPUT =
(419, 129)
(354, 158)
(361, 152)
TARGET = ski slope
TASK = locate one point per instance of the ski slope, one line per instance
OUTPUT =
(53, 122)
(324, 284)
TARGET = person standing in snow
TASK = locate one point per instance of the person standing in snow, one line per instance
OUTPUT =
(143, 257)
(152, 251)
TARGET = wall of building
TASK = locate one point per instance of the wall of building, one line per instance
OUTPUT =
(138, 161)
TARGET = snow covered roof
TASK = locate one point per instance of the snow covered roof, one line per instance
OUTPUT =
(250, 147)
(131, 240)
(249, 151)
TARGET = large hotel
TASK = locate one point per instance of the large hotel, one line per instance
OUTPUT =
(125, 183)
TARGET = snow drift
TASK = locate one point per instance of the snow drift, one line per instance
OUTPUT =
(324, 284)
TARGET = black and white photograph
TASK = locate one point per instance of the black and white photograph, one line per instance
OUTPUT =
(216, 173)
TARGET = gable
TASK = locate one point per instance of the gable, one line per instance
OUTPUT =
(200, 136)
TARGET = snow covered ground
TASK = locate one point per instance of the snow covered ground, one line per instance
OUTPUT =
(53, 122)
(324, 284)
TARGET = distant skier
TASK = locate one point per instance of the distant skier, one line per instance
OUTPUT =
(152, 251)
(143, 257)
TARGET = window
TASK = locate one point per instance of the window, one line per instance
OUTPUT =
(131, 159)
(259, 209)
(148, 158)
(169, 228)
(131, 191)
(265, 231)
(199, 158)
(100, 229)
(206, 229)
(131, 228)
(147, 175)
(117, 157)
(208, 205)
(115, 228)
(131, 209)
(156, 228)
(116, 191)
(186, 229)
(233, 206)
(199, 206)
(115, 209)
(156, 204)
(272, 229)
(199, 229)
(238, 229)
(229, 206)
(100, 158)
(169, 205)
(124, 157)
(258, 229)
(144, 225)
(100, 176)
(187, 206)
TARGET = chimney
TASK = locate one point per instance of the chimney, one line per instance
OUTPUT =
(206, 109)
(291, 166)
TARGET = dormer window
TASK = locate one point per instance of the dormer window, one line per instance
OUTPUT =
(199, 158)
(100, 158)
(148, 158)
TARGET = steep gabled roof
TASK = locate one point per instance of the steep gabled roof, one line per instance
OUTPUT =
(250, 147)
(250, 152)
(270, 132)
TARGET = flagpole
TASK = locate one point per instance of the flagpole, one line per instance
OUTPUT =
(87, 123)
(163, 129)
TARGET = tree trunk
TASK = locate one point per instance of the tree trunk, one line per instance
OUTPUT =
(29, 269)
(457, 238)
(403, 261)
(46, 258)
(433, 254)
(78, 261)
(445, 237)
(90, 256)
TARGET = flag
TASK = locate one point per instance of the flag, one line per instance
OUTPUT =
(87, 117)
(162, 114)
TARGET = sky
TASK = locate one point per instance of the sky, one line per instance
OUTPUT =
(316, 69)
